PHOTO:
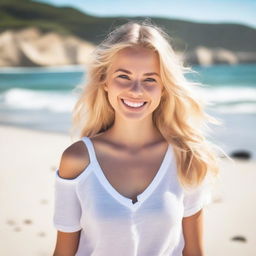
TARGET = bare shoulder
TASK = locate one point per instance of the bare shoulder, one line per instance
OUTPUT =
(74, 160)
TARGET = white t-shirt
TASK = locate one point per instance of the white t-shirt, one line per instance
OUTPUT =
(112, 224)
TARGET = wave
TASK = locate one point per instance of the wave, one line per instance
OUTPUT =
(55, 101)
(242, 108)
(221, 99)
(228, 94)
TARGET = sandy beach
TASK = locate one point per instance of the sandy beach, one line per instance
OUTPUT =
(29, 159)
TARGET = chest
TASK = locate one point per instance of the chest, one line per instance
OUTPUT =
(130, 174)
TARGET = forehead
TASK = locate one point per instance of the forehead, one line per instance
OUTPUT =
(136, 58)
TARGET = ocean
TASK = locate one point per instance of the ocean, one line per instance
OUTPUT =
(42, 98)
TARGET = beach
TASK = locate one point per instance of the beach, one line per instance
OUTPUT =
(29, 159)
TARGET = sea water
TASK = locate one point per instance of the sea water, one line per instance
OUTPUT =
(43, 99)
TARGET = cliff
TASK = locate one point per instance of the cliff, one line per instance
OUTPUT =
(39, 34)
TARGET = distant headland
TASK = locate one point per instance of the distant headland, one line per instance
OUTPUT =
(39, 34)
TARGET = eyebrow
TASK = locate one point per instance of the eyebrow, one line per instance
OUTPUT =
(128, 72)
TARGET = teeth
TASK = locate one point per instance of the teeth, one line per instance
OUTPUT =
(133, 104)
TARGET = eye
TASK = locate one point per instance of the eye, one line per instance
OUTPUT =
(151, 79)
(123, 76)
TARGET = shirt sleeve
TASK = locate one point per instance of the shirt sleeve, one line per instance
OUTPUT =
(195, 199)
(67, 208)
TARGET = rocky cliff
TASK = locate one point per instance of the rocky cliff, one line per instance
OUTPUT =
(31, 47)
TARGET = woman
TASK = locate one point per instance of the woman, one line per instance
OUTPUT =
(137, 180)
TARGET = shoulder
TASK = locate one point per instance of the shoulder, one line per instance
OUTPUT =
(74, 160)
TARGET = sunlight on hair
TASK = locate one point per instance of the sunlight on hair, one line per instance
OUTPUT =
(180, 116)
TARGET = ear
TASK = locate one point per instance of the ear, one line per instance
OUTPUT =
(105, 87)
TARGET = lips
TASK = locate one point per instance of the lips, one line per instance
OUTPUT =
(145, 102)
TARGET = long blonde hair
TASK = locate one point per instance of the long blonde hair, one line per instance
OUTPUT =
(179, 117)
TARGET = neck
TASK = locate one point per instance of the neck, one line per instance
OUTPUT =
(134, 135)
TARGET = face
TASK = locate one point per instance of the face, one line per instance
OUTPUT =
(133, 83)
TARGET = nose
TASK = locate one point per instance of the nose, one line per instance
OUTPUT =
(137, 88)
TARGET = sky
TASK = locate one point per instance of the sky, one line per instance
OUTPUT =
(214, 11)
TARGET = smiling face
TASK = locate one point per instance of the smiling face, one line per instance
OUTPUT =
(134, 79)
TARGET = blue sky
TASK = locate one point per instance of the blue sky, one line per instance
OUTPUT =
(214, 11)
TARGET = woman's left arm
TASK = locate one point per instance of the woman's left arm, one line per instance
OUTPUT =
(193, 234)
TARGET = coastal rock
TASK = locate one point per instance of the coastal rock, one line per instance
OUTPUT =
(239, 239)
(205, 56)
(246, 57)
(28, 34)
(224, 56)
(30, 47)
(241, 154)
(47, 50)
(11, 53)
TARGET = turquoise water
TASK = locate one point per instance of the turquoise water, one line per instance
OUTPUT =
(43, 98)
(225, 75)
(41, 79)
(232, 89)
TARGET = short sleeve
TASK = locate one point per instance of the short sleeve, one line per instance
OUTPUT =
(195, 199)
(67, 208)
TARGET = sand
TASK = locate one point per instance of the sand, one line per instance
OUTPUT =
(29, 159)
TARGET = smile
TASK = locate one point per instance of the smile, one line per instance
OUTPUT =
(133, 105)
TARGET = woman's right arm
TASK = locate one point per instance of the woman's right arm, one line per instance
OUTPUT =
(74, 160)
(67, 243)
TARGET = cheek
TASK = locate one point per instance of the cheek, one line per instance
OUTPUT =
(114, 90)
(151, 89)
(118, 86)
(155, 91)
(156, 95)
(121, 84)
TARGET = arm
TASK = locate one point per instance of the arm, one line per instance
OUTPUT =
(67, 243)
(193, 234)
(73, 161)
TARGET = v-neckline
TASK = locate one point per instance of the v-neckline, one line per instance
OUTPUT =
(108, 186)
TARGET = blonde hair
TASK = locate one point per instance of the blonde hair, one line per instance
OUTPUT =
(179, 117)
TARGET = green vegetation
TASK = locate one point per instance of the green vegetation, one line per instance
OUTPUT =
(17, 14)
